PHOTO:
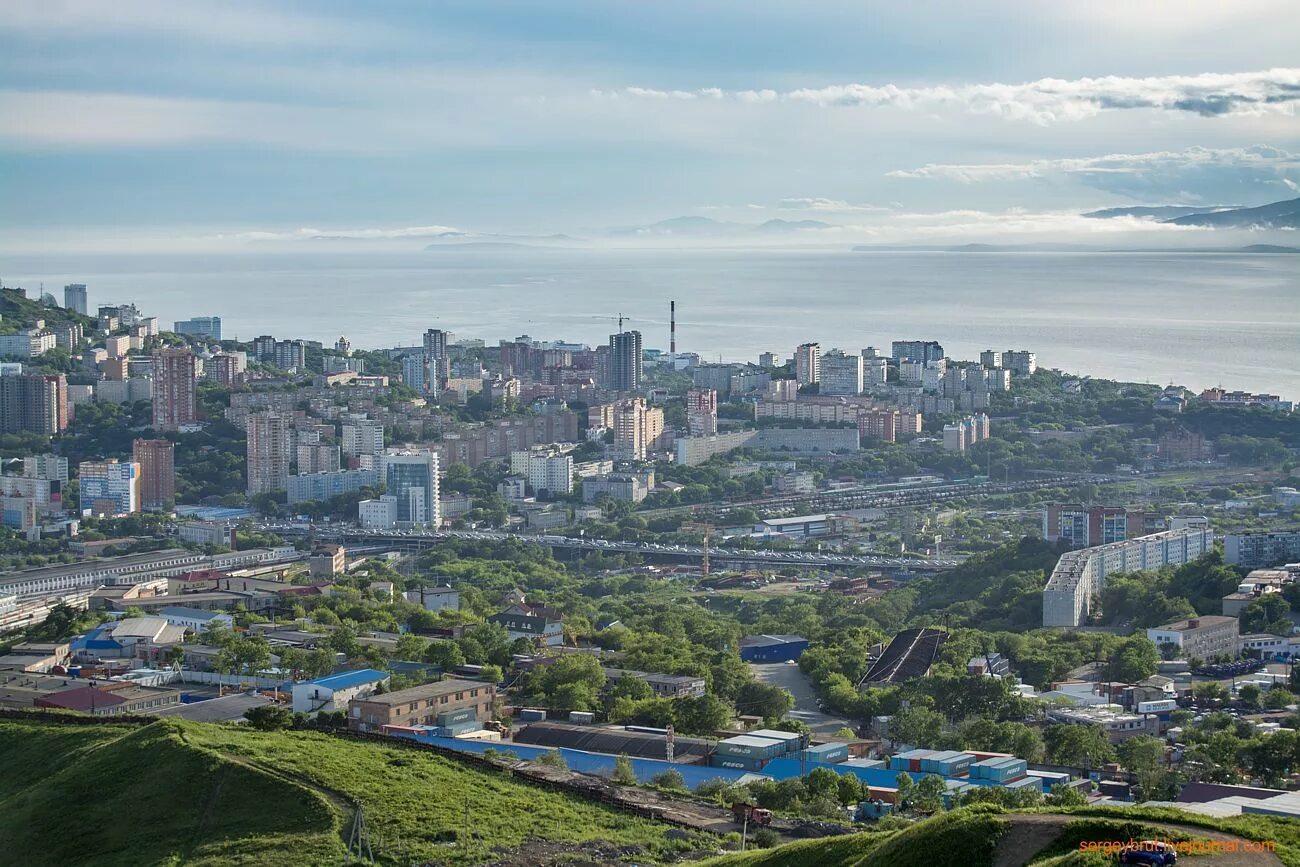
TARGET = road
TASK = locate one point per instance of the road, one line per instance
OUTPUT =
(415, 540)
(791, 679)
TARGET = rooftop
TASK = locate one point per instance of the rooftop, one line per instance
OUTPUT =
(192, 613)
(1205, 621)
(769, 640)
(428, 690)
(348, 679)
(227, 708)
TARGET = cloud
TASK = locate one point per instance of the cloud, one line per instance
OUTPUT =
(309, 234)
(829, 205)
(1044, 101)
(1159, 172)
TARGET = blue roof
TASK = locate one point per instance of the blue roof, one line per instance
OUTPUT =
(192, 613)
(346, 679)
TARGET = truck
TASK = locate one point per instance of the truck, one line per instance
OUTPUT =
(743, 813)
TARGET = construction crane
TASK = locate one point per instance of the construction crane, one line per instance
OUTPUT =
(708, 529)
(619, 319)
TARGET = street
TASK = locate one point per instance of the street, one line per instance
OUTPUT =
(790, 678)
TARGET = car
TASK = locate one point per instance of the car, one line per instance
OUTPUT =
(1151, 852)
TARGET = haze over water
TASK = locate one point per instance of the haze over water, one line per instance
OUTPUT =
(1194, 319)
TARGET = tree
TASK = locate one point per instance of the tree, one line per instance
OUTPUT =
(244, 656)
(446, 655)
(1144, 757)
(623, 773)
(928, 794)
(671, 780)
(1268, 614)
(552, 759)
(409, 646)
(701, 715)
(1136, 659)
(1078, 745)
(761, 699)
(905, 784)
(916, 725)
(269, 717)
(1066, 796)
(1249, 694)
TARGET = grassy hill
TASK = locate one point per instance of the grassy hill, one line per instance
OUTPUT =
(186, 793)
(984, 837)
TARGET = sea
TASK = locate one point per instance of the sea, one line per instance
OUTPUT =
(1195, 319)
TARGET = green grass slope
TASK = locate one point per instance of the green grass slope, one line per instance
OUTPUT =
(962, 838)
(186, 793)
(420, 799)
(138, 796)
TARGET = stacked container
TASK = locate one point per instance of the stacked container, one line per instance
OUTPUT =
(999, 770)
(790, 740)
(832, 753)
(908, 761)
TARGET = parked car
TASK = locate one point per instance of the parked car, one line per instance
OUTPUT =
(1151, 852)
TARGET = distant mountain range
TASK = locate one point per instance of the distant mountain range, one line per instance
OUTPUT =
(1278, 215)
(1159, 213)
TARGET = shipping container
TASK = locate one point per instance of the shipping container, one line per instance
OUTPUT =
(456, 717)
(458, 729)
(882, 793)
(531, 714)
(1025, 783)
(829, 752)
(908, 761)
(743, 763)
(791, 740)
(582, 717)
(744, 746)
(999, 770)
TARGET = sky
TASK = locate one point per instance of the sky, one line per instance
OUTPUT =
(186, 124)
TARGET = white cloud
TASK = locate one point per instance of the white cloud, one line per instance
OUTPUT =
(1256, 157)
(1194, 174)
(1043, 101)
(828, 205)
(310, 234)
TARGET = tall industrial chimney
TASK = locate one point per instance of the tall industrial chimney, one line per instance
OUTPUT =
(672, 327)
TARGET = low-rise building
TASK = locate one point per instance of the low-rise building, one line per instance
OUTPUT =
(337, 691)
(532, 621)
(1199, 637)
(445, 704)
(662, 685)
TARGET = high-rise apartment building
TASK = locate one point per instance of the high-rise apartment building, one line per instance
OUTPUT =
(264, 348)
(702, 412)
(808, 364)
(317, 458)
(965, 432)
(625, 361)
(637, 428)
(290, 355)
(841, 373)
(109, 488)
(415, 372)
(227, 368)
(37, 403)
(175, 396)
(411, 475)
(363, 437)
(923, 351)
(74, 298)
(436, 343)
(547, 469)
(269, 452)
(207, 327)
(157, 460)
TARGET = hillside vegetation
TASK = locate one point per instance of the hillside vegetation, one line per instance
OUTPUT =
(186, 793)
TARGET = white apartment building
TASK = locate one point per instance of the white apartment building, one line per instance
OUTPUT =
(363, 437)
(841, 373)
(546, 469)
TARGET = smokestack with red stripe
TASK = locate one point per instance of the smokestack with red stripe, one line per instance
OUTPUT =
(672, 327)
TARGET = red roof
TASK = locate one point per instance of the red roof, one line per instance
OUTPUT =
(87, 698)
